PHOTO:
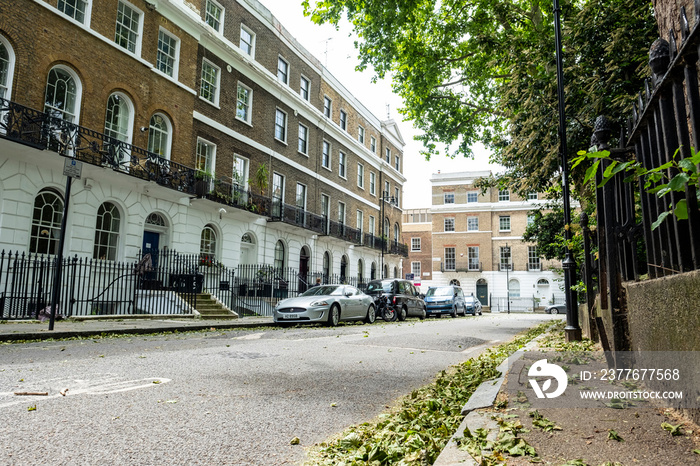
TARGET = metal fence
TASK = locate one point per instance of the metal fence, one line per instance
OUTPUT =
(663, 128)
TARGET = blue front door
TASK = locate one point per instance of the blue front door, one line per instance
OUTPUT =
(150, 246)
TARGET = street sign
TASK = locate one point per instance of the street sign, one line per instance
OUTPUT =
(72, 168)
(409, 276)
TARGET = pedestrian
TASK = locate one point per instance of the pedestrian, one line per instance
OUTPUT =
(318, 282)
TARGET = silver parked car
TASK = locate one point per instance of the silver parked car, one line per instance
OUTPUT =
(555, 309)
(472, 305)
(327, 304)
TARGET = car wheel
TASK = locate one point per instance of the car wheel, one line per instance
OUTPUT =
(423, 315)
(453, 314)
(371, 314)
(333, 316)
(464, 310)
(389, 314)
(554, 310)
(403, 313)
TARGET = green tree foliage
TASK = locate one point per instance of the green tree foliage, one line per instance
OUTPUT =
(484, 70)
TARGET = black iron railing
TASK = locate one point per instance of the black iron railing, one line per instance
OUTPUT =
(664, 126)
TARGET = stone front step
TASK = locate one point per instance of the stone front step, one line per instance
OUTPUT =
(209, 308)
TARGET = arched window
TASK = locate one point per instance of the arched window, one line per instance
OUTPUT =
(155, 219)
(62, 94)
(514, 288)
(46, 222)
(373, 271)
(542, 282)
(207, 245)
(360, 272)
(343, 268)
(119, 117)
(159, 136)
(386, 271)
(107, 232)
(7, 68)
(397, 233)
(454, 282)
(279, 255)
(386, 229)
(326, 266)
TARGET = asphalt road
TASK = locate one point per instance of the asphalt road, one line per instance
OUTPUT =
(227, 397)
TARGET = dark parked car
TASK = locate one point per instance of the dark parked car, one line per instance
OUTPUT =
(447, 299)
(405, 298)
(473, 305)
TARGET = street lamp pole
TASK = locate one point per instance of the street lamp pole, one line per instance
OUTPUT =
(507, 251)
(572, 329)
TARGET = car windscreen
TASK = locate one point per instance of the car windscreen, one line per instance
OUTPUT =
(440, 291)
(385, 287)
(324, 290)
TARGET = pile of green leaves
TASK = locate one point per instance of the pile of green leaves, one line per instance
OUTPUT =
(491, 453)
(419, 428)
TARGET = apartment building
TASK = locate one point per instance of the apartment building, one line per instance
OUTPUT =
(475, 240)
(418, 231)
(201, 126)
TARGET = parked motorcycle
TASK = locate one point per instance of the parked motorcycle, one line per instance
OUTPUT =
(385, 309)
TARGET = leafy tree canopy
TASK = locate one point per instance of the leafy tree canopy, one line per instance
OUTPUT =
(485, 70)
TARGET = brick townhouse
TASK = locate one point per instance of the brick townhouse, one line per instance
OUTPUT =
(474, 239)
(202, 127)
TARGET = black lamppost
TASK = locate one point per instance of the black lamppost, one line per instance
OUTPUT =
(572, 329)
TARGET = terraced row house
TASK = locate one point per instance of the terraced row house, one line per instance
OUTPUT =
(201, 127)
(475, 239)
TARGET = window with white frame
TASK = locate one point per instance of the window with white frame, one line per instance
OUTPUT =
(415, 244)
(128, 28)
(62, 95)
(209, 86)
(301, 196)
(7, 65)
(343, 120)
(397, 163)
(280, 256)
(505, 258)
(277, 194)
(304, 88)
(119, 117)
(204, 161)
(532, 196)
(397, 191)
(244, 100)
(533, 259)
(371, 225)
(341, 213)
(46, 222)
(473, 258)
(450, 259)
(341, 164)
(159, 135)
(386, 189)
(283, 70)
(472, 196)
(303, 145)
(372, 183)
(359, 222)
(514, 288)
(361, 134)
(326, 155)
(167, 59)
(449, 223)
(503, 195)
(214, 15)
(247, 42)
(280, 125)
(207, 245)
(373, 144)
(361, 175)
(76, 9)
(504, 223)
(449, 198)
(327, 106)
(326, 209)
(107, 226)
(397, 233)
(530, 219)
(387, 155)
(415, 269)
(240, 172)
(473, 223)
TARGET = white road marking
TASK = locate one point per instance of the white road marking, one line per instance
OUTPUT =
(252, 336)
(100, 386)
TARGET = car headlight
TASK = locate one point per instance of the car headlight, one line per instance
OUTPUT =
(320, 303)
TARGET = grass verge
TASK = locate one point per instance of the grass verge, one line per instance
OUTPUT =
(416, 431)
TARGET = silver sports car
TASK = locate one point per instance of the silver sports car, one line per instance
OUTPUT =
(327, 304)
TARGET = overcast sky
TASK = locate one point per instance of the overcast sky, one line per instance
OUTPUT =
(336, 51)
